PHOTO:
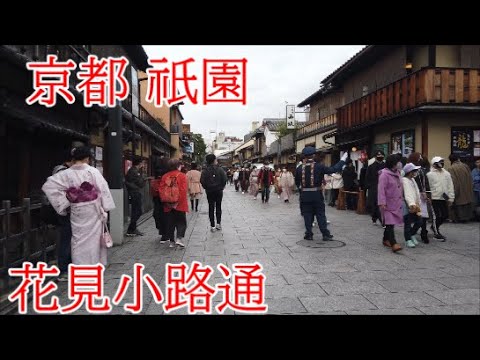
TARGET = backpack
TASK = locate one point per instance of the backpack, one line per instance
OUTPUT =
(155, 186)
(169, 191)
(213, 181)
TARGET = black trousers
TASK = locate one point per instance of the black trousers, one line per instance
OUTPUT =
(64, 248)
(159, 216)
(389, 234)
(440, 207)
(136, 201)
(176, 220)
(215, 205)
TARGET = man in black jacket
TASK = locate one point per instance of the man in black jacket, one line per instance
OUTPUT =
(213, 180)
(371, 184)
(135, 181)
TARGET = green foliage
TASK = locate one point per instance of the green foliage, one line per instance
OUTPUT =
(283, 131)
(199, 148)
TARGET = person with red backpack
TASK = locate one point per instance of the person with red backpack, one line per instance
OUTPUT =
(173, 194)
(159, 215)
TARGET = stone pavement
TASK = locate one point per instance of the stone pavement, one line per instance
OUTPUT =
(360, 277)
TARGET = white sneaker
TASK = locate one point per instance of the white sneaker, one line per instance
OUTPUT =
(218, 227)
(410, 244)
(243, 192)
(172, 244)
(279, 196)
(314, 223)
(179, 243)
(328, 221)
(213, 229)
(254, 198)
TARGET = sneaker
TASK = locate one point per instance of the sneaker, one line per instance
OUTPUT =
(314, 224)
(279, 196)
(218, 227)
(172, 244)
(138, 232)
(425, 238)
(414, 239)
(328, 237)
(213, 229)
(387, 243)
(63, 277)
(163, 240)
(254, 198)
(328, 221)
(243, 192)
(374, 221)
(439, 237)
(129, 234)
(410, 244)
(179, 243)
(308, 237)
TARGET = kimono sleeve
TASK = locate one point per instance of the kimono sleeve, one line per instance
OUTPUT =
(106, 195)
(55, 188)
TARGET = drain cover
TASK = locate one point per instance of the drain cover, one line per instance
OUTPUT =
(321, 244)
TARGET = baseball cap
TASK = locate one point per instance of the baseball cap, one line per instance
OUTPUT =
(410, 167)
(436, 159)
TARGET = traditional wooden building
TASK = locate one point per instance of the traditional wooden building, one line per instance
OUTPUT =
(405, 98)
(34, 138)
(322, 120)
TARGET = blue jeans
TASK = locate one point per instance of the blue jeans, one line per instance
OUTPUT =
(412, 223)
(64, 249)
(312, 205)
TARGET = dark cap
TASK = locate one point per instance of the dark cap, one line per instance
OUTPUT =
(309, 151)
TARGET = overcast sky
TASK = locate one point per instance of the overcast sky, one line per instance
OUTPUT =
(275, 75)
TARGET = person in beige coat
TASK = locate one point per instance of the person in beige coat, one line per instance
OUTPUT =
(194, 187)
(443, 194)
(463, 186)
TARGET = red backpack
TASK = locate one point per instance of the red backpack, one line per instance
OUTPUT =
(169, 191)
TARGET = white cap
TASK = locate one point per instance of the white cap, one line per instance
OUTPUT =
(410, 167)
(436, 159)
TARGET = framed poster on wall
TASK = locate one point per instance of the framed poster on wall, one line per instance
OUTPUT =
(408, 142)
(462, 142)
(403, 142)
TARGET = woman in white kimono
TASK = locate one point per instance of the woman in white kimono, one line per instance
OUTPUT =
(254, 182)
(83, 191)
(286, 183)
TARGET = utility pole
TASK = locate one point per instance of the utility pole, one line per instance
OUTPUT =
(115, 170)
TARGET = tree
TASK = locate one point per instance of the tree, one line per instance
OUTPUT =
(199, 148)
(283, 131)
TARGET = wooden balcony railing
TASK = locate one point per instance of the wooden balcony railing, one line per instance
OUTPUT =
(317, 126)
(77, 53)
(440, 86)
(154, 124)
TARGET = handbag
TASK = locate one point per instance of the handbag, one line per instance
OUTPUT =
(106, 237)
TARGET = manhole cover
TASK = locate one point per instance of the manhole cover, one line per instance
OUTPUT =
(321, 244)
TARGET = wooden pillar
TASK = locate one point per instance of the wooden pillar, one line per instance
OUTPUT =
(341, 199)
(424, 121)
(361, 203)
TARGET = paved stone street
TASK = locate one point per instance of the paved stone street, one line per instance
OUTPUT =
(361, 277)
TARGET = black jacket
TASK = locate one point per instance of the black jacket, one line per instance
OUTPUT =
(134, 180)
